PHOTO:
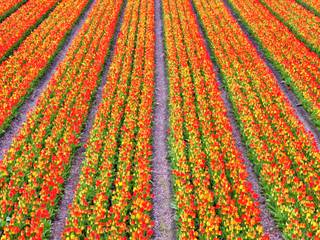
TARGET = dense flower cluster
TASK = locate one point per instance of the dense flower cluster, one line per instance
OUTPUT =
(34, 169)
(7, 7)
(113, 199)
(298, 65)
(21, 22)
(21, 72)
(312, 5)
(213, 196)
(284, 153)
(303, 23)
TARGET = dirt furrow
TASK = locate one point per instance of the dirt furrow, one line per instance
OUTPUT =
(302, 114)
(267, 221)
(161, 176)
(73, 179)
(27, 107)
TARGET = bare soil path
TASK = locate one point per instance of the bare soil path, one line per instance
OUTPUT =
(163, 213)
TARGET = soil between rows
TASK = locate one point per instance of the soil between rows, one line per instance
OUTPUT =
(163, 213)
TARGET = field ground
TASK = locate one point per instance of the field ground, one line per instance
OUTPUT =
(159, 119)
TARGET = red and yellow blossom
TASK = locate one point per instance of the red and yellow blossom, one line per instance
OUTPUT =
(298, 65)
(20, 23)
(20, 73)
(312, 5)
(113, 199)
(303, 23)
(35, 167)
(285, 155)
(8, 7)
(213, 196)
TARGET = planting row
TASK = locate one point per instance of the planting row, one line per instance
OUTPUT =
(212, 195)
(21, 23)
(311, 5)
(20, 73)
(299, 67)
(303, 23)
(9, 7)
(113, 198)
(33, 171)
(285, 156)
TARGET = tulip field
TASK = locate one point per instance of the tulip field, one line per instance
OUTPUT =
(160, 119)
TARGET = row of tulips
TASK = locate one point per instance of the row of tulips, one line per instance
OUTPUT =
(33, 171)
(311, 5)
(113, 199)
(213, 197)
(298, 65)
(303, 23)
(285, 155)
(21, 23)
(9, 7)
(21, 72)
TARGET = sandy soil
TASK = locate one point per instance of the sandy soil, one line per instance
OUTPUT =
(163, 214)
